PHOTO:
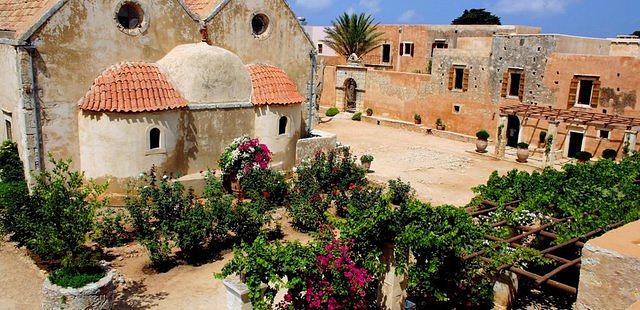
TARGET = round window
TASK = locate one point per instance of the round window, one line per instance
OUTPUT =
(259, 24)
(130, 15)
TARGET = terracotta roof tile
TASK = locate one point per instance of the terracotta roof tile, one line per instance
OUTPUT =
(272, 86)
(202, 8)
(132, 87)
(20, 15)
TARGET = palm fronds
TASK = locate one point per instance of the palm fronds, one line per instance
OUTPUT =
(353, 34)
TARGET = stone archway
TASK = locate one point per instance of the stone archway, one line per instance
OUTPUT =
(350, 94)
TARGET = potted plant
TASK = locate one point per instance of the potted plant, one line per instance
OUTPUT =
(610, 154)
(331, 112)
(440, 124)
(583, 157)
(366, 161)
(369, 112)
(239, 158)
(417, 119)
(482, 142)
(523, 152)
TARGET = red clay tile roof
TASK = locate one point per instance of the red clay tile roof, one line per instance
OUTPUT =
(132, 87)
(272, 86)
(20, 15)
(202, 7)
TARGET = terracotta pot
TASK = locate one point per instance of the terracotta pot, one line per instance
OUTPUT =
(481, 146)
(369, 113)
(522, 154)
(232, 185)
(440, 127)
(366, 165)
(417, 121)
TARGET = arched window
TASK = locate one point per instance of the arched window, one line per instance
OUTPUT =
(282, 128)
(154, 139)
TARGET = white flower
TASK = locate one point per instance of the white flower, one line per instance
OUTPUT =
(164, 177)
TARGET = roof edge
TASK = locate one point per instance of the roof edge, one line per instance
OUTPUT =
(31, 30)
(186, 9)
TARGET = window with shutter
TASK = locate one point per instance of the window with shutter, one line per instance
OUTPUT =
(521, 88)
(452, 71)
(573, 91)
(465, 80)
(412, 48)
(505, 83)
(401, 49)
(458, 82)
(595, 97)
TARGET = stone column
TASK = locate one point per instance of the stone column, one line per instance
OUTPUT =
(630, 140)
(392, 293)
(237, 294)
(501, 141)
(550, 144)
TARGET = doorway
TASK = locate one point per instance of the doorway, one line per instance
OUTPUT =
(350, 96)
(513, 131)
(575, 143)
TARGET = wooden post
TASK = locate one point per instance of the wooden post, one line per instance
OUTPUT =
(550, 145)
(501, 141)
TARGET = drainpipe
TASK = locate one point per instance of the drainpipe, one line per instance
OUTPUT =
(39, 156)
(398, 69)
(312, 90)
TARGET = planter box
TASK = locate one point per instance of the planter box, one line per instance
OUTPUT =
(99, 295)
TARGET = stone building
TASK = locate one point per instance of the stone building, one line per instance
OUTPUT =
(64, 65)
(478, 71)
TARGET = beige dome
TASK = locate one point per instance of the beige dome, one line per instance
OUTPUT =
(207, 74)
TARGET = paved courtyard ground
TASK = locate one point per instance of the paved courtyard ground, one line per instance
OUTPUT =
(442, 171)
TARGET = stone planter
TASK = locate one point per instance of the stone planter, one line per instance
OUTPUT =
(481, 146)
(366, 165)
(99, 295)
(523, 155)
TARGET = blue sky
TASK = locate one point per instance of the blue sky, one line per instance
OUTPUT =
(593, 18)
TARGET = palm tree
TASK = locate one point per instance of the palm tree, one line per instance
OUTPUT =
(353, 34)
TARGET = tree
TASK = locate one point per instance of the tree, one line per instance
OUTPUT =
(353, 34)
(476, 17)
(636, 33)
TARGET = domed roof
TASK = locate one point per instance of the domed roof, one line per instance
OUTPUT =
(207, 74)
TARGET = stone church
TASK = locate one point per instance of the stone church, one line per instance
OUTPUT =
(118, 86)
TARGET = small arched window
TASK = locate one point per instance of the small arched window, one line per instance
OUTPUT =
(154, 139)
(282, 128)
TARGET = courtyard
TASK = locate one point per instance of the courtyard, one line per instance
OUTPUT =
(442, 171)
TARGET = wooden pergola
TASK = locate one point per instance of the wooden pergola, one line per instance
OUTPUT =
(570, 116)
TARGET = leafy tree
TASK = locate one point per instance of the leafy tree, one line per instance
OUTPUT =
(476, 17)
(636, 33)
(353, 34)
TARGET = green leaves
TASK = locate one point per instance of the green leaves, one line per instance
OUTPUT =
(353, 34)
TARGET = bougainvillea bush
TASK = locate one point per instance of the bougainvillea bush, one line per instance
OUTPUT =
(243, 155)
(321, 275)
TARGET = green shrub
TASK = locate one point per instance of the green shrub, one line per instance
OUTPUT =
(331, 112)
(326, 173)
(482, 135)
(523, 145)
(609, 154)
(249, 218)
(111, 229)
(65, 215)
(400, 192)
(357, 116)
(308, 213)
(11, 168)
(159, 253)
(583, 156)
(65, 277)
(268, 184)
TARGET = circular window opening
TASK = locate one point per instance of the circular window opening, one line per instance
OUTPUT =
(259, 24)
(130, 15)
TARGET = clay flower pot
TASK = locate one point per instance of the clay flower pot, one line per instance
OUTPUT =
(481, 146)
(366, 165)
(523, 155)
(369, 112)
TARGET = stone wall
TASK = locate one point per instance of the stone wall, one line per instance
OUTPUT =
(358, 74)
(267, 129)
(610, 270)
(320, 141)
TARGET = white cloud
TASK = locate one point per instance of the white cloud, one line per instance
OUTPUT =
(408, 16)
(532, 6)
(314, 4)
(370, 6)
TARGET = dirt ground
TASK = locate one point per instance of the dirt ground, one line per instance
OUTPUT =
(442, 171)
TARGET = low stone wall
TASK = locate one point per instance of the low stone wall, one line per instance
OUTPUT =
(320, 141)
(610, 271)
(95, 296)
